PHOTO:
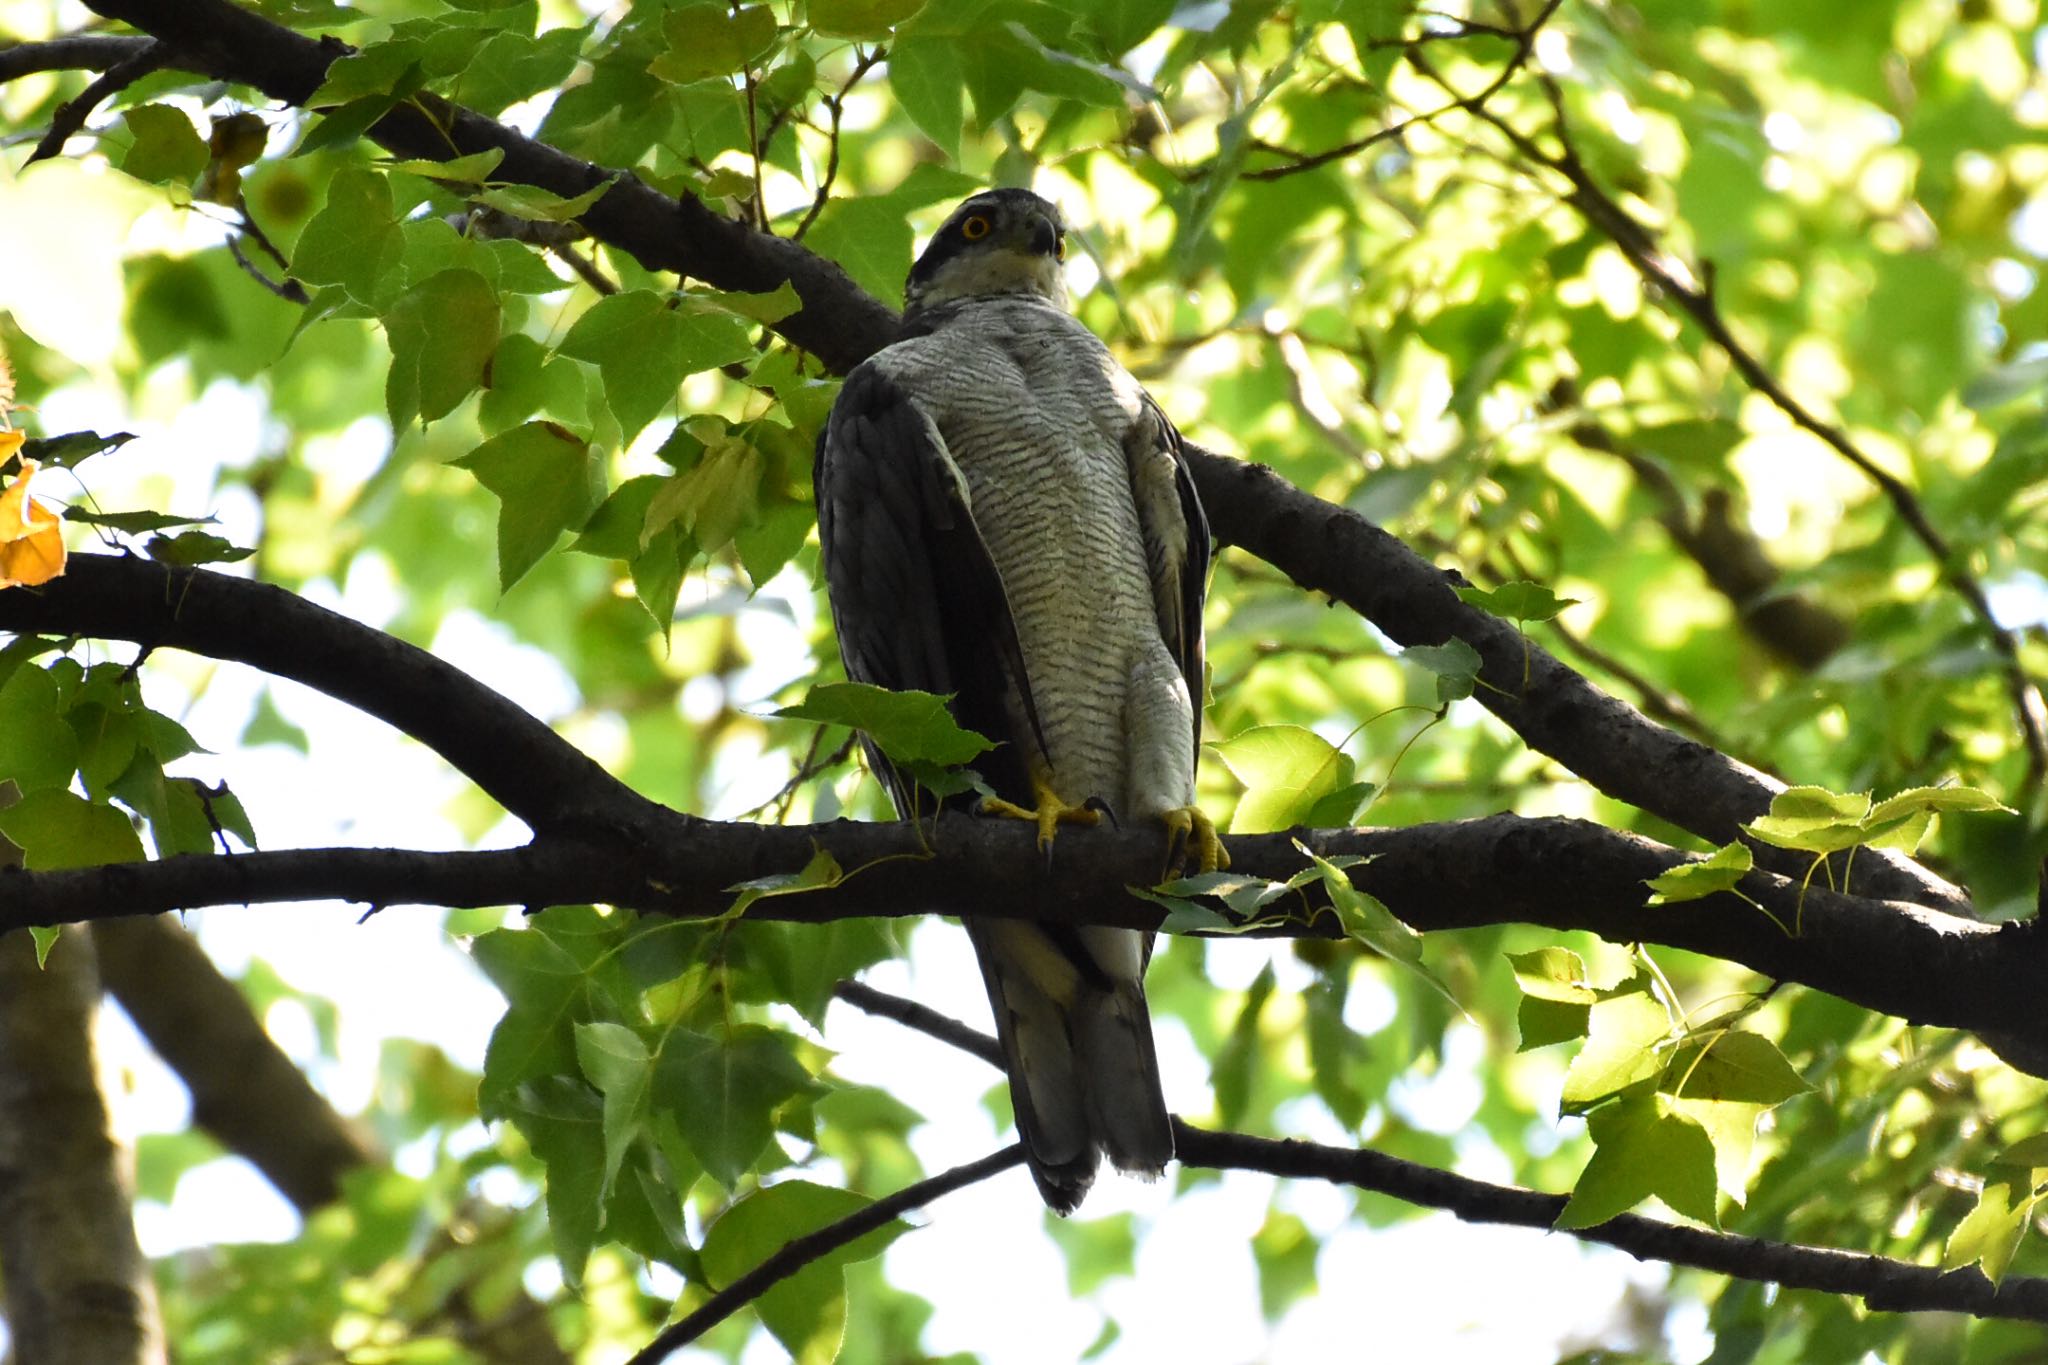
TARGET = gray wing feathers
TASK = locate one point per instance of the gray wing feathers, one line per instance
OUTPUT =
(1176, 533)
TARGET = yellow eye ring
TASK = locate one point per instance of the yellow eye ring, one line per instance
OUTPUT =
(1059, 252)
(974, 228)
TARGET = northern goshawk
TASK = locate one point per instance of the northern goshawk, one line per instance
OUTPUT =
(1008, 517)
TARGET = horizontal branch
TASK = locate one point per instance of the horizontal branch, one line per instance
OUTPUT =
(1885, 1284)
(1893, 957)
(529, 769)
(82, 52)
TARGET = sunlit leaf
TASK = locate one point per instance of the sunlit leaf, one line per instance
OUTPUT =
(907, 726)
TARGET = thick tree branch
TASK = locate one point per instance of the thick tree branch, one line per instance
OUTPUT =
(254, 1101)
(82, 52)
(1897, 958)
(799, 1252)
(1324, 548)
(1883, 1284)
(529, 769)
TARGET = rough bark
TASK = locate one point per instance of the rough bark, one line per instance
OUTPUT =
(78, 1289)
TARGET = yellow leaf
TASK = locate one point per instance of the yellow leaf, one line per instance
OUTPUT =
(31, 537)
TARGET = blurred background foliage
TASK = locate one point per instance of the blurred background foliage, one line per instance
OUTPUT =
(1399, 253)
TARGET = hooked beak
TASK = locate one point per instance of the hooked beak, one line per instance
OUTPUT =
(1043, 237)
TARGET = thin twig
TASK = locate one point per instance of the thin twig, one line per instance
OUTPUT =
(836, 104)
(923, 1018)
(288, 289)
(799, 1252)
(72, 114)
(1525, 41)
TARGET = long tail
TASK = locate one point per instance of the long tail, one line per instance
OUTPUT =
(1077, 1040)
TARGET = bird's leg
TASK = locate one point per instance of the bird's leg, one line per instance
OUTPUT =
(1188, 830)
(1050, 812)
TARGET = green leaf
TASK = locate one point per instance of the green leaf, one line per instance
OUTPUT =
(908, 726)
(710, 40)
(723, 1094)
(863, 19)
(1521, 600)
(1814, 819)
(69, 449)
(1732, 1066)
(870, 239)
(1990, 1233)
(562, 1120)
(443, 333)
(807, 1311)
(133, 523)
(167, 148)
(1719, 871)
(2031, 1152)
(925, 75)
(821, 873)
(37, 749)
(616, 1061)
(1285, 1251)
(539, 205)
(1455, 663)
(1625, 1029)
(547, 482)
(643, 348)
(55, 829)
(713, 498)
(190, 548)
(807, 961)
(1643, 1147)
(463, 171)
(1556, 1004)
(1286, 770)
(354, 241)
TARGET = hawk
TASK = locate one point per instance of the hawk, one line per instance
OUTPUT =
(1006, 516)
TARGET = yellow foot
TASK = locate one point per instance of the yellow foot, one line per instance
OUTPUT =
(1188, 830)
(1049, 815)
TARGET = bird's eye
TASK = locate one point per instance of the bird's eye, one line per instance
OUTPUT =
(1059, 251)
(974, 228)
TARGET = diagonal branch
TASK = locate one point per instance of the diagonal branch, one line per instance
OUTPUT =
(1900, 959)
(1885, 1285)
(72, 114)
(799, 1252)
(1524, 39)
(1692, 293)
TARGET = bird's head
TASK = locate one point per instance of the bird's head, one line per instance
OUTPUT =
(997, 242)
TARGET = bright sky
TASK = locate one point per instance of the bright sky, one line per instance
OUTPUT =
(1194, 1295)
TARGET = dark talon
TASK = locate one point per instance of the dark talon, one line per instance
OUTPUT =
(1101, 807)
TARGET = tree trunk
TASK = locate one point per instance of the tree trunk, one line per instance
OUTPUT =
(78, 1290)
